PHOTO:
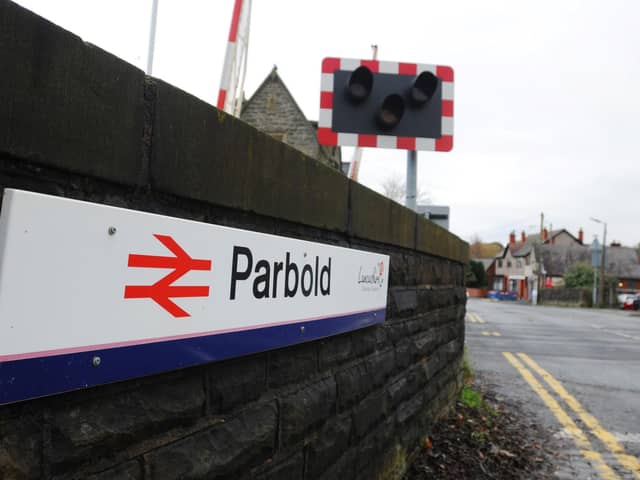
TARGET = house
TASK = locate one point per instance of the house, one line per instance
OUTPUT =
(514, 267)
(556, 237)
(621, 264)
(542, 260)
(273, 110)
(517, 268)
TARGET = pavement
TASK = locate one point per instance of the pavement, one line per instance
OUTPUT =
(576, 371)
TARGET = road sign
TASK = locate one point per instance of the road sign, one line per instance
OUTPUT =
(91, 294)
(371, 103)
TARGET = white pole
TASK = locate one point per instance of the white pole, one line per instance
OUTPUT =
(412, 176)
(152, 36)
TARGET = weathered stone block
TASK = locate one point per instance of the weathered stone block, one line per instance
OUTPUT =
(236, 382)
(408, 383)
(118, 420)
(380, 365)
(402, 302)
(370, 456)
(364, 341)
(396, 329)
(345, 467)
(288, 468)
(292, 364)
(202, 153)
(242, 442)
(375, 217)
(435, 240)
(335, 350)
(66, 103)
(369, 412)
(402, 270)
(20, 447)
(423, 344)
(422, 322)
(407, 410)
(353, 384)
(306, 408)
(434, 298)
(128, 471)
(403, 353)
(329, 445)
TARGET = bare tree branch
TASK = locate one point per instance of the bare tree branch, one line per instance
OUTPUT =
(396, 189)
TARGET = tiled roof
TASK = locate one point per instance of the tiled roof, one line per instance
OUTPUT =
(621, 262)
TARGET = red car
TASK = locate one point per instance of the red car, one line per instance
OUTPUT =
(630, 302)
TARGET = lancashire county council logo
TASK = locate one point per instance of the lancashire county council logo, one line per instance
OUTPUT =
(371, 278)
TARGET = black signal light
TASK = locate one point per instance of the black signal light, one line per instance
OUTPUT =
(360, 84)
(391, 112)
(423, 88)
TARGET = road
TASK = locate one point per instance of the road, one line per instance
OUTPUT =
(576, 371)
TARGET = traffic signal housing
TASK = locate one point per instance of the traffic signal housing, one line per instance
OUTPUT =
(370, 103)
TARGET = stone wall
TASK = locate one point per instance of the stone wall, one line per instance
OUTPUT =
(81, 123)
(566, 297)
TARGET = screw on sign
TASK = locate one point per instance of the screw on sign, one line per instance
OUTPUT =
(371, 103)
(163, 290)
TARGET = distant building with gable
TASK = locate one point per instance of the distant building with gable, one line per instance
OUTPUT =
(273, 110)
(518, 268)
(542, 260)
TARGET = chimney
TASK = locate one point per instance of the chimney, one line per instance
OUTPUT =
(545, 235)
(523, 236)
(512, 237)
(581, 236)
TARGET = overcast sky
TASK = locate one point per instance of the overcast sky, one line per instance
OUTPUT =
(547, 93)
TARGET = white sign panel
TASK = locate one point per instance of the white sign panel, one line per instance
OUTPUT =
(91, 293)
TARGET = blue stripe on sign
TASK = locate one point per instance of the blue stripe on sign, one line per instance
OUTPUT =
(37, 377)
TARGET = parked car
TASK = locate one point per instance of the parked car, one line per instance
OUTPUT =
(629, 302)
(493, 294)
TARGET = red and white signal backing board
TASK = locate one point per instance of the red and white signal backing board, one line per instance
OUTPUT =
(328, 136)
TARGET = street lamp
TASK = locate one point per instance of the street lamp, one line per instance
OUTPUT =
(596, 261)
(604, 248)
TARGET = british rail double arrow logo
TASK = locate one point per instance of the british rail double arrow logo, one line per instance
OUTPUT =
(163, 290)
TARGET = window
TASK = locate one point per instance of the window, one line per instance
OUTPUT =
(527, 260)
(508, 263)
(519, 263)
(499, 263)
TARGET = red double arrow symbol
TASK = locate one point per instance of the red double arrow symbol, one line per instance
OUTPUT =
(163, 290)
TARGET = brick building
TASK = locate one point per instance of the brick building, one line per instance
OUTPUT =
(518, 268)
(273, 110)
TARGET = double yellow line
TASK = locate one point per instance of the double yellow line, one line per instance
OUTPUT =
(474, 318)
(579, 437)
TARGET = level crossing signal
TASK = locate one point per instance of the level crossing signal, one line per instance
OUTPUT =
(371, 103)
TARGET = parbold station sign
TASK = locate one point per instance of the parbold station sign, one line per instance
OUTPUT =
(91, 294)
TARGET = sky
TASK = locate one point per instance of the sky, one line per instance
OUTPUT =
(547, 93)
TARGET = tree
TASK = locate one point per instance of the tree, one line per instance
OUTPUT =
(396, 189)
(478, 249)
(579, 275)
(475, 276)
